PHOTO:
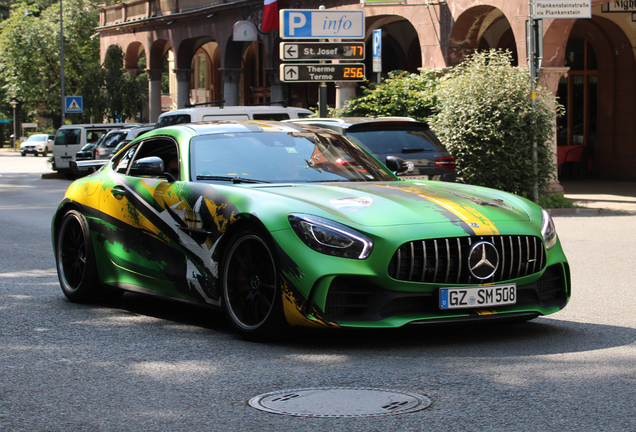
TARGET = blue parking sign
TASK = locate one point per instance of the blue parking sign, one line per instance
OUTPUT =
(74, 104)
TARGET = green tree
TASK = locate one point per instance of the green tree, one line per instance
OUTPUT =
(402, 94)
(486, 121)
(125, 90)
(30, 52)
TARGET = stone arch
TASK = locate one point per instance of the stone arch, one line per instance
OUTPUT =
(132, 54)
(205, 82)
(481, 27)
(611, 134)
(401, 48)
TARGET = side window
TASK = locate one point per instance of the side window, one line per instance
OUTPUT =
(163, 148)
(93, 135)
(121, 162)
(169, 120)
(271, 116)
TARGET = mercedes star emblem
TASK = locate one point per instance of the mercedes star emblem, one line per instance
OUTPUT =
(483, 260)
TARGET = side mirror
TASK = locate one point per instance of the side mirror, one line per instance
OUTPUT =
(150, 166)
(398, 165)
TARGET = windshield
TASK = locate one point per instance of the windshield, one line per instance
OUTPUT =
(112, 139)
(37, 138)
(394, 140)
(278, 157)
(67, 136)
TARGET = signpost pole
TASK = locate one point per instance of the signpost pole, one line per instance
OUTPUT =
(534, 73)
(322, 89)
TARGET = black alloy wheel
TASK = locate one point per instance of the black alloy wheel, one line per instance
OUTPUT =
(76, 268)
(251, 294)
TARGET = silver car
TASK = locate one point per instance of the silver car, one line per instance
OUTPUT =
(37, 144)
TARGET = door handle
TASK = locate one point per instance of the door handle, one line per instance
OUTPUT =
(118, 192)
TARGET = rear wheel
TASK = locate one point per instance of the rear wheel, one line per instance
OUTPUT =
(76, 267)
(251, 292)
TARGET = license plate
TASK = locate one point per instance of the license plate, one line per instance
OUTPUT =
(477, 297)
(424, 177)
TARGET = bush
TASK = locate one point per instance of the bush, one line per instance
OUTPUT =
(486, 121)
(402, 94)
(555, 201)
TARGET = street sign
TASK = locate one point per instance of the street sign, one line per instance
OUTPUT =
(73, 104)
(303, 51)
(6, 120)
(377, 50)
(318, 24)
(570, 9)
(322, 72)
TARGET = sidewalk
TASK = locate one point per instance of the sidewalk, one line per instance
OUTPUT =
(599, 197)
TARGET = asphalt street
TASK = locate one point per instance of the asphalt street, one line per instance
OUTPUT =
(142, 364)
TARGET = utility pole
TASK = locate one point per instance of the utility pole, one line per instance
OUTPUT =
(62, 62)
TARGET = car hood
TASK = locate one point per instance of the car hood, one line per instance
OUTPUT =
(404, 203)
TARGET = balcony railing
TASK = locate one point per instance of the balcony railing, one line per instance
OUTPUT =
(145, 9)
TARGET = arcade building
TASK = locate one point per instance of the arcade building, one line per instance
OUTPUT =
(199, 52)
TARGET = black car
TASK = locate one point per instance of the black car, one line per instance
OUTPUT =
(403, 137)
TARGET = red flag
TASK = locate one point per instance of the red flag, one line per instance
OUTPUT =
(270, 15)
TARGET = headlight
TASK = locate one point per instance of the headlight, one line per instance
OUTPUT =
(330, 238)
(547, 230)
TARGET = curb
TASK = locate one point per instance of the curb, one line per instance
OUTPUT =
(584, 211)
(54, 175)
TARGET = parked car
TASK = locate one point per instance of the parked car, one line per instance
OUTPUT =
(70, 139)
(37, 144)
(396, 136)
(117, 138)
(201, 114)
(283, 224)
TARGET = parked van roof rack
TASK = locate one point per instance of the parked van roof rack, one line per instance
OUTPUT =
(219, 103)
(283, 103)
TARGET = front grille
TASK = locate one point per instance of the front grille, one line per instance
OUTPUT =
(445, 260)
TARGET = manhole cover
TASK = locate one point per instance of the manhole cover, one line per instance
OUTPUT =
(339, 402)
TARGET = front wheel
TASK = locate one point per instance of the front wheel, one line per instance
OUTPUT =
(251, 292)
(76, 268)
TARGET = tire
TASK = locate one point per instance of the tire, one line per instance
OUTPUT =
(45, 152)
(23, 154)
(251, 293)
(76, 267)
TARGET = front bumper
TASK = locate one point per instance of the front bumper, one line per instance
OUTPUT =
(32, 149)
(340, 292)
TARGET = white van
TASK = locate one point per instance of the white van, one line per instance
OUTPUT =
(69, 139)
(194, 115)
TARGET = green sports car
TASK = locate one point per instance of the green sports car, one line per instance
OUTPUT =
(286, 225)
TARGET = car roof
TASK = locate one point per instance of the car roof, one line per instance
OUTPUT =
(236, 126)
(345, 122)
(230, 110)
(101, 125)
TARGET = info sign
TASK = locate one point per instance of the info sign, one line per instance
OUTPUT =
(322, 72)
(321, 24)
(304, 51)
(571, 9)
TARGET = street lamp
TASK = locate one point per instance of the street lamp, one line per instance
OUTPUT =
(14, 104)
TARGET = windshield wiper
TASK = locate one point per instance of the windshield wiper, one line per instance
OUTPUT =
(235, 179)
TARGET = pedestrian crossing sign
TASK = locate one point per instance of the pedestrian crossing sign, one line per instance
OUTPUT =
(73, 104)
